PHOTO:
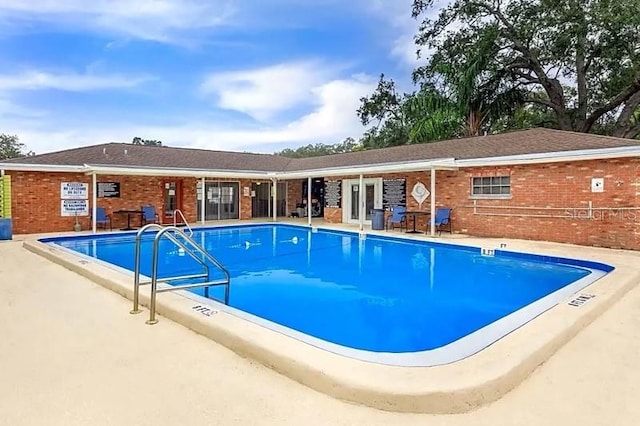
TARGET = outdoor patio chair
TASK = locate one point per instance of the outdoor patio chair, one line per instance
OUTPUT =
(398, 217)
(149, 215)
(442, 220)
(102, 218)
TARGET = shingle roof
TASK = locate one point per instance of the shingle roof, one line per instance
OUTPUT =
(533, 141)
(129, 155)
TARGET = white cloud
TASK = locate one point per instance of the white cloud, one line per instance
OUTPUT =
(330, 122)
(8, 108)
(263, 93)
(72, 82)
(159, 20)
(397, 14)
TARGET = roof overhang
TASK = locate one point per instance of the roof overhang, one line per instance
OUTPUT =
(412, 166)
(553, 157)
(170, 171)
(42, 168)
(383, 168)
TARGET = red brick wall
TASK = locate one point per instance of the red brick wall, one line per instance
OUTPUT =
(36, 199)
(536, 190)
(245, 200)
(35, 202)
(565, 186)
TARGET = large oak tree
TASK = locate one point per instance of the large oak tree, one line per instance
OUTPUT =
(578, 59)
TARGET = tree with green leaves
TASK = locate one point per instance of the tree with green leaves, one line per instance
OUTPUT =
(385, 110)
(11, 147)
(578, 60)
(149, 142)
(318, 149)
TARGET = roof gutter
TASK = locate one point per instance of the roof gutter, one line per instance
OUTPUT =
(42, 168)
(553, 157)
(439, 164)
(199, 173)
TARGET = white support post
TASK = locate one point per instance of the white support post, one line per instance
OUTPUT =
(274, 201)
(94, 202)
(433, 202)
(309, 201)
(361, 200)
(203, 197)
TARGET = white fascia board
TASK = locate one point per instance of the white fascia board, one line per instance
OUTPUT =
(553, 157)
(41, 168)
(150, 171)
(439, 164)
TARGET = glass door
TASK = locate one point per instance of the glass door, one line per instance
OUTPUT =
(221, 200)
(282, 199)
(172, 200)
(369, 196)
(260, 199)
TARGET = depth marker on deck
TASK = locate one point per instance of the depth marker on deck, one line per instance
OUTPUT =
(581, 300)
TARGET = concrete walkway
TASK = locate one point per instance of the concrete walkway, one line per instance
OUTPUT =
(70, 354)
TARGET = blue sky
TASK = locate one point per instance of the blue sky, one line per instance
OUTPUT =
(242, 75)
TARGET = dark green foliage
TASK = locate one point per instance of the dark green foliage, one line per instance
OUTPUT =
(315, 150)
(11, 147)
(149, 142)
(577, 60)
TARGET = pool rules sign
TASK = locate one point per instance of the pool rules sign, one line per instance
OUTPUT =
(74, 199)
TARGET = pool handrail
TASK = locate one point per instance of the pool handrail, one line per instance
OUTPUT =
(184, 220)
(164, 231)
(136, 268)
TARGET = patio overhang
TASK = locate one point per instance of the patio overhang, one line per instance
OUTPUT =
(372, 169)
(175, 172)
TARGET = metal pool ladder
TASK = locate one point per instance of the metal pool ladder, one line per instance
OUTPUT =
(189, 246)
(184, 220)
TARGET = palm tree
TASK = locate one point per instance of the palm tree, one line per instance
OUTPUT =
(471, 95)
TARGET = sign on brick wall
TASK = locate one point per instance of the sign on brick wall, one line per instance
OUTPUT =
(74, 191)
(108, 189)
(74, 207)
(74, 199)
(394, 193)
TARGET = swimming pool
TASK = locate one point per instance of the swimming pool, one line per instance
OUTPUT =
(380, 299)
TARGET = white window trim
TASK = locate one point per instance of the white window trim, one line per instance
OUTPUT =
(473, 196)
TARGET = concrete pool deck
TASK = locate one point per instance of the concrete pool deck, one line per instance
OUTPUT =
(65, 326)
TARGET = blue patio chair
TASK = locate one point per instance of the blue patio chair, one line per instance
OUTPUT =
(102, 218)
(398, 217)
(442, 220)
(149, 215)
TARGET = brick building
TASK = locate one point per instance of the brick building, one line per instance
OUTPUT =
(535, 184)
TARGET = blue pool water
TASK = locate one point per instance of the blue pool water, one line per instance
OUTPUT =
(377, 294)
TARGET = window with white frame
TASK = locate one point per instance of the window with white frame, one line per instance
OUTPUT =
(491, 186)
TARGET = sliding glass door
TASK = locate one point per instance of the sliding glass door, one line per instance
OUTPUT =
(221, 200)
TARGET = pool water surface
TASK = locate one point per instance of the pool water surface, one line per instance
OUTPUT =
(376, 294)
